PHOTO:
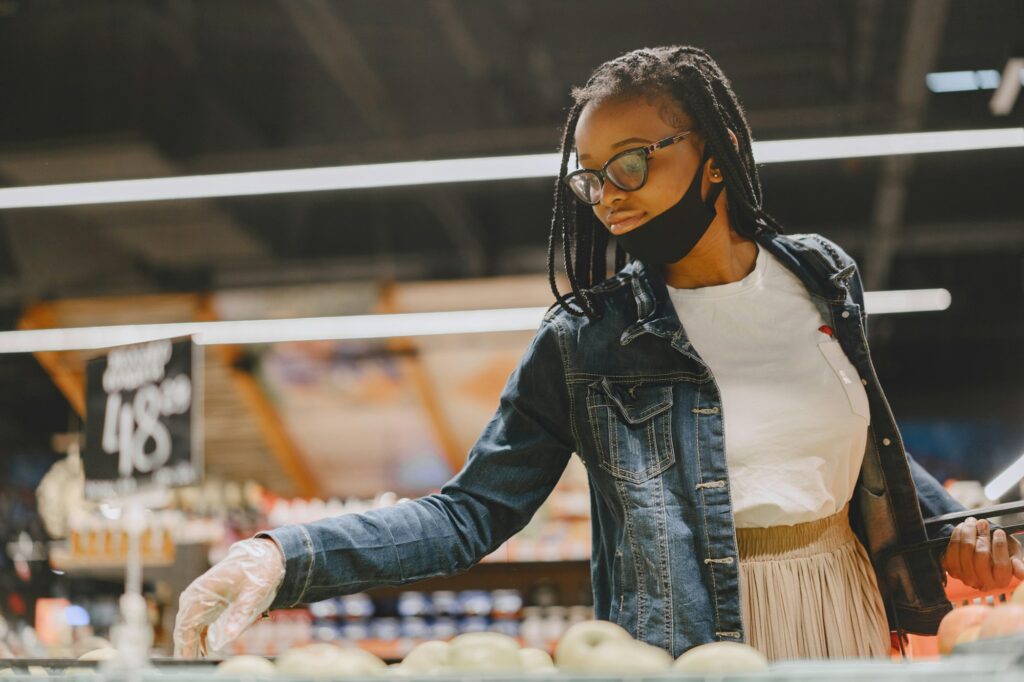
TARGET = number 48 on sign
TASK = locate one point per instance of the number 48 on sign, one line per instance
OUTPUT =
(142, 418)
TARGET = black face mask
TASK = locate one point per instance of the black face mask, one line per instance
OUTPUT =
(670, 235)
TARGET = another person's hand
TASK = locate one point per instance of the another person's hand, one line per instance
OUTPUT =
(983, 560)
(228, 598)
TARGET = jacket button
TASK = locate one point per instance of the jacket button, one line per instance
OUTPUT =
(886, 441)
(846, 313)
(864, 381)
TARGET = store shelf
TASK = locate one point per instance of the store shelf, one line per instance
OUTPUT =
(568, 577)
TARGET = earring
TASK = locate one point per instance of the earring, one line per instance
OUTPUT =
(716, 174)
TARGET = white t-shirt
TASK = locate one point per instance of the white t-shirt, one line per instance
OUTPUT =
(795, 410)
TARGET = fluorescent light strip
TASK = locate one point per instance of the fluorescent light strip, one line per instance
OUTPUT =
(887, 145)
(282, 182)
(906, 301)
(357, 326)
(1001, 484)
(467, 170)
(962, 81)
(281, 330)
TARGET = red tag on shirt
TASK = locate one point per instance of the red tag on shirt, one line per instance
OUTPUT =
(825, 329)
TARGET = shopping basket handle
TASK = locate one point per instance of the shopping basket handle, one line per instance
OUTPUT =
(980, 513)
(955, 518)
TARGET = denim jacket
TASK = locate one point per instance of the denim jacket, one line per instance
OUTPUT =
(631, 396)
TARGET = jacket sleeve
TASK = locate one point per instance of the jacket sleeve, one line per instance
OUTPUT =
(933, 498)
(509, 472)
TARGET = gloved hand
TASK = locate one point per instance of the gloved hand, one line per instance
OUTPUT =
(228, 598)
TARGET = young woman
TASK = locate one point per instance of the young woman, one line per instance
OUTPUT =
(747, 476)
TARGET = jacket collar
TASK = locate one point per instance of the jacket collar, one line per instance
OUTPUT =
(823, 277)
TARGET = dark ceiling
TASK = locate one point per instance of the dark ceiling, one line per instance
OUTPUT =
(104, 89)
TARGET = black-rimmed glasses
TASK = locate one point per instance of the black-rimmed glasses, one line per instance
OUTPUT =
(627, 170)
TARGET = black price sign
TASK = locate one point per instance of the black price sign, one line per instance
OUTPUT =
(142, 429)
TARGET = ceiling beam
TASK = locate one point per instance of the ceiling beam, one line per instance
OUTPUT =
(537, 55)
(866, 28)
(474, 60)
(922, 39)
(337, 48)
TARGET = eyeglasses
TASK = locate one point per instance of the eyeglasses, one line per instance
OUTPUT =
(626, 170)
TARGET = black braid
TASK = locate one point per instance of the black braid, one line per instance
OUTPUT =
(584, 249)
(620, 257)
(558, 220)
(599, 257)
(694, 81)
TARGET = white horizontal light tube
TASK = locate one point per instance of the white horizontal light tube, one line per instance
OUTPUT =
(1002, 483)
(364, 176)
(274, 331)
(962, 81)
(813, 149)
(906, 301)
(466, 170)
(340, 328)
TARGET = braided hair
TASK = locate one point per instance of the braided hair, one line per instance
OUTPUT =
(690, 78)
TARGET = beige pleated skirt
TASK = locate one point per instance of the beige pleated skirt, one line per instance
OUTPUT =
(809, 591)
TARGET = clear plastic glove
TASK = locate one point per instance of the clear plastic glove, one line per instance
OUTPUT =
(228, 598)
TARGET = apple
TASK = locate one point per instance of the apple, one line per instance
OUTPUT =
(396, 670)
(246, 666)
(103, 654)
(1005, 619)
(718, 658)
(428, 657)
(485, 652)
(958, 620)
(621, 657)
(312, 660)
(356, 662)
(326, 660)
(577, 646)
(536, 660)
(89, 643)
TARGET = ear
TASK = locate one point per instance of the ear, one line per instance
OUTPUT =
(711, 163)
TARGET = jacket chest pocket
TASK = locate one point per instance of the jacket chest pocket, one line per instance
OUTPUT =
(848, 377)
(632, 428)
